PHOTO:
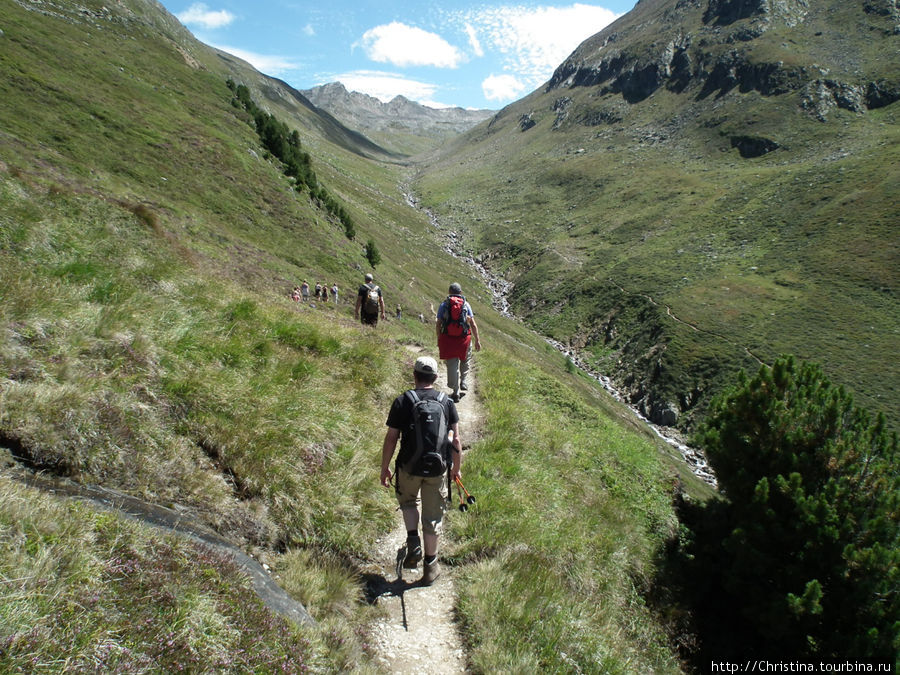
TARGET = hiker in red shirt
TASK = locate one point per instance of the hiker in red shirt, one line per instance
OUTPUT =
(455, 327)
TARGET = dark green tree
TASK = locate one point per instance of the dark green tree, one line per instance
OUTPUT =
(372, 254)
(802, 557)
(284, 145)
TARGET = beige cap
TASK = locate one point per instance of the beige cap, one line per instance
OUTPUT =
(426, 365)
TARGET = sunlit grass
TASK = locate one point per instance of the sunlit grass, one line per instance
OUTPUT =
(570, 509)
(83, 590)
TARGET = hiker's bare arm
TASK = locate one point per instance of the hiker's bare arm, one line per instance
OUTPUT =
(437, 327)
(358, 305)
(381, 302)
(475, 333)
(457, 452)
(387, 451)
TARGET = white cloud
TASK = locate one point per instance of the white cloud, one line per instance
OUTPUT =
(264, 63)
(386, 86)
(534, 41)
(502, 87)
(477, 49)
(402, 46)
(308, 30)
(199, 14)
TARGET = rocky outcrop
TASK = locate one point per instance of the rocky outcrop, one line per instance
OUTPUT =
(733, 70)
(821, 96)
(635, 79)
(753, 146)
(710, 47)
(726, 12)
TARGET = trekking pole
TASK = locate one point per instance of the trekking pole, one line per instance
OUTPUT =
(462, 505)
(462, 488)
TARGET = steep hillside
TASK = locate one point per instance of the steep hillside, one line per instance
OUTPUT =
(399, 123)
(149, 238)
(699, 188)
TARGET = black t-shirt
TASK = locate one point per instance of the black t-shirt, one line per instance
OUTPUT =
(401, 417)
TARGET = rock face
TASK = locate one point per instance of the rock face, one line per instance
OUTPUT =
(715, 46)
(367, 113)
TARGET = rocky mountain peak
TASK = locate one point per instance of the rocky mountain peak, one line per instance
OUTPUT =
(367, 113)
(769, 46)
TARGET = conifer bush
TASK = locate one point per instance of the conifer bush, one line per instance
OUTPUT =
(801, 558)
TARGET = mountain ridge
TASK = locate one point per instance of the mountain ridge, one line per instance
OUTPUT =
(396, 118)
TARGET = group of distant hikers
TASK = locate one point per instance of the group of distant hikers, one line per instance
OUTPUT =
(301, 293)
(424, 420)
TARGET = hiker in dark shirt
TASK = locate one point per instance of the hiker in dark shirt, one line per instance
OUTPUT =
(369, 303)
(407, 484)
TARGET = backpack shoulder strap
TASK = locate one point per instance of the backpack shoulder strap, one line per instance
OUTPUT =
(420, 445)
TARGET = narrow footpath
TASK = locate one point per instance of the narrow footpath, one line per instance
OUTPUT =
(418, 633)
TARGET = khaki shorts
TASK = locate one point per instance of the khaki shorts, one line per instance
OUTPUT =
(434, 497)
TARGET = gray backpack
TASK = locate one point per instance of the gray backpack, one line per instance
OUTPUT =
(370, 304)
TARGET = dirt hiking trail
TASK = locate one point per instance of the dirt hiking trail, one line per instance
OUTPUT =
(418, 632)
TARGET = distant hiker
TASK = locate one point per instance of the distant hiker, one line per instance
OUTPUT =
(421, 418)
(369, 303)
(295, 294)
(318, 291)
(304, 291)
(334, 293)
(399, 312)
(455, 326)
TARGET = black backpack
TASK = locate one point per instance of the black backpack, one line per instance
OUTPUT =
(430, 425)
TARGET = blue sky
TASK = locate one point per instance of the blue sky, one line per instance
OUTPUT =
(474, 55)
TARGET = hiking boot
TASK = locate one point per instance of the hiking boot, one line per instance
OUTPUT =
(413, 553)
(430, 573)
(454, 397)
(464, 387)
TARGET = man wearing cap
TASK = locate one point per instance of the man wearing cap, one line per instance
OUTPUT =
(456, 328)
(369, 303)
(409, 487)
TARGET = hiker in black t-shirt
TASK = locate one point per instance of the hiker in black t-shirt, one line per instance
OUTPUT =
(369, 303)
(408, 484)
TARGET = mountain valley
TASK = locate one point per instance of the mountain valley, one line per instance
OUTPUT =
(700, 188)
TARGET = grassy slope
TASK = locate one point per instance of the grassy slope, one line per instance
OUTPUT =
(794, 252)
(146, 248)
